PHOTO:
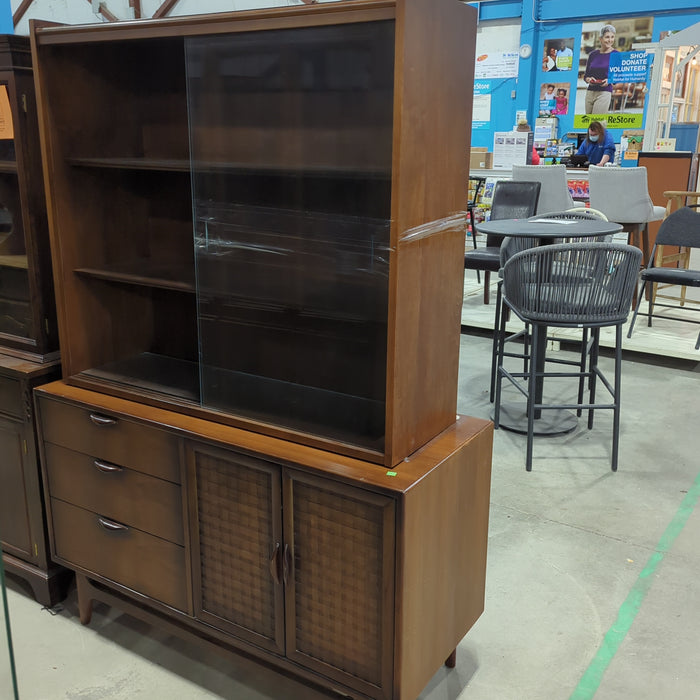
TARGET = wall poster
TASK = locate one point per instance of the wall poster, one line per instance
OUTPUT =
(558, 54)
(554, 99)
(612, 77)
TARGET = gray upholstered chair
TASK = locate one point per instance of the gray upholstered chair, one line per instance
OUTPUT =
(554, 191)
(622, 194)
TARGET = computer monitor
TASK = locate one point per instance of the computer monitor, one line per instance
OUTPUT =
(577, 161)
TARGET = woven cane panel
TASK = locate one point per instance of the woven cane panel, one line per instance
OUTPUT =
(236, 539)
(338, 581)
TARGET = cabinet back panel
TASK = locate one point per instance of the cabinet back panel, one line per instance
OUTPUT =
(296, 99)
(124, 99)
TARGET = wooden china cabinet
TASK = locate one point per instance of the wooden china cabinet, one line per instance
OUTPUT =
(257, 221)
(28, 333)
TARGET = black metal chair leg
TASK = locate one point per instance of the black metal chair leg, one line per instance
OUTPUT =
(494, 346)
(651, 305)
(531, 396)
(593, 367)
(582, 370)
(636, 310)
(473, 226)
(499, 373)
(616, 396)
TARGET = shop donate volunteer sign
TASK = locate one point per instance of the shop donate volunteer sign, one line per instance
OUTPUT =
(628, 67)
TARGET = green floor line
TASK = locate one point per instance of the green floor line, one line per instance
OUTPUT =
(590, 681)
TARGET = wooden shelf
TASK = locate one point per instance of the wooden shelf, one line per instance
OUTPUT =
(145, 274)
(162, 164)
(153, 373)
(240, 168)
(19, 262)
(8, 166)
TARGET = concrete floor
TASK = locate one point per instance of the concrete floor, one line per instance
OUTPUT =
(577, 555)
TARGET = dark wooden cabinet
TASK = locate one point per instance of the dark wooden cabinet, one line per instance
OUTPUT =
(258, 225)
(361, 579)
(27, 309)
(317, 155)
(23, 537)
(28, 333)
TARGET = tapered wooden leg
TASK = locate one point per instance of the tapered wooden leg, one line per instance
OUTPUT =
(451, 660)
(84, 600)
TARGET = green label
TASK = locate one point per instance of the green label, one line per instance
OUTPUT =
(611, 121)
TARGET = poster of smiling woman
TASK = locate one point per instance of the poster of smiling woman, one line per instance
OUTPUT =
(613, 77)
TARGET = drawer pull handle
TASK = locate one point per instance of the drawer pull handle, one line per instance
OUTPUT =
(275, 564)
(106, 467)
(111, 526)
(97, 419)
(287, 564)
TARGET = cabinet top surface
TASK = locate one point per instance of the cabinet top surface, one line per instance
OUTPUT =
(187, 25)
(399, 479)
(10, 365)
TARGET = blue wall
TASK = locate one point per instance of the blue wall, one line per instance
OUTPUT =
(6, 26)
(551, 19)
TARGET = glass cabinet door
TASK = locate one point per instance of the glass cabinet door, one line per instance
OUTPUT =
(291, 147)
(8, 680)
(15, 308)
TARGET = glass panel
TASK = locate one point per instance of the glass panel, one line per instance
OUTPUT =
(15, 309)
(291, 136)
(8, 679)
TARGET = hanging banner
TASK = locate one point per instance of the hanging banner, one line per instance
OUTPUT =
(612, 76)
(497, 64)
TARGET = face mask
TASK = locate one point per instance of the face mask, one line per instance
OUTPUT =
(593, 138)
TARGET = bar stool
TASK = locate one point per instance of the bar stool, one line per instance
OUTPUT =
(622, 194)
(569, 285)
(554, 191)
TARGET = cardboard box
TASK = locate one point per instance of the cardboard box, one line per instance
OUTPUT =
(480, 159)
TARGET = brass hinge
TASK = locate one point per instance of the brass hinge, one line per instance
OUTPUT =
(24, 446)
(24, 102)
(36, 550)
(46, 324)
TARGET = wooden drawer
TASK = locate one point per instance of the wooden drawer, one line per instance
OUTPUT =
(117, 440)
(141, 562)
(11, 397)
(116, 492)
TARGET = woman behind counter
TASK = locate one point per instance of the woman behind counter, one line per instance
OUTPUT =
(598, 146)
(599, 91)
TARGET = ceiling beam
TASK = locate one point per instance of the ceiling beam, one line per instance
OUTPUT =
(164, 9)
(135, 5)
(20, 11)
